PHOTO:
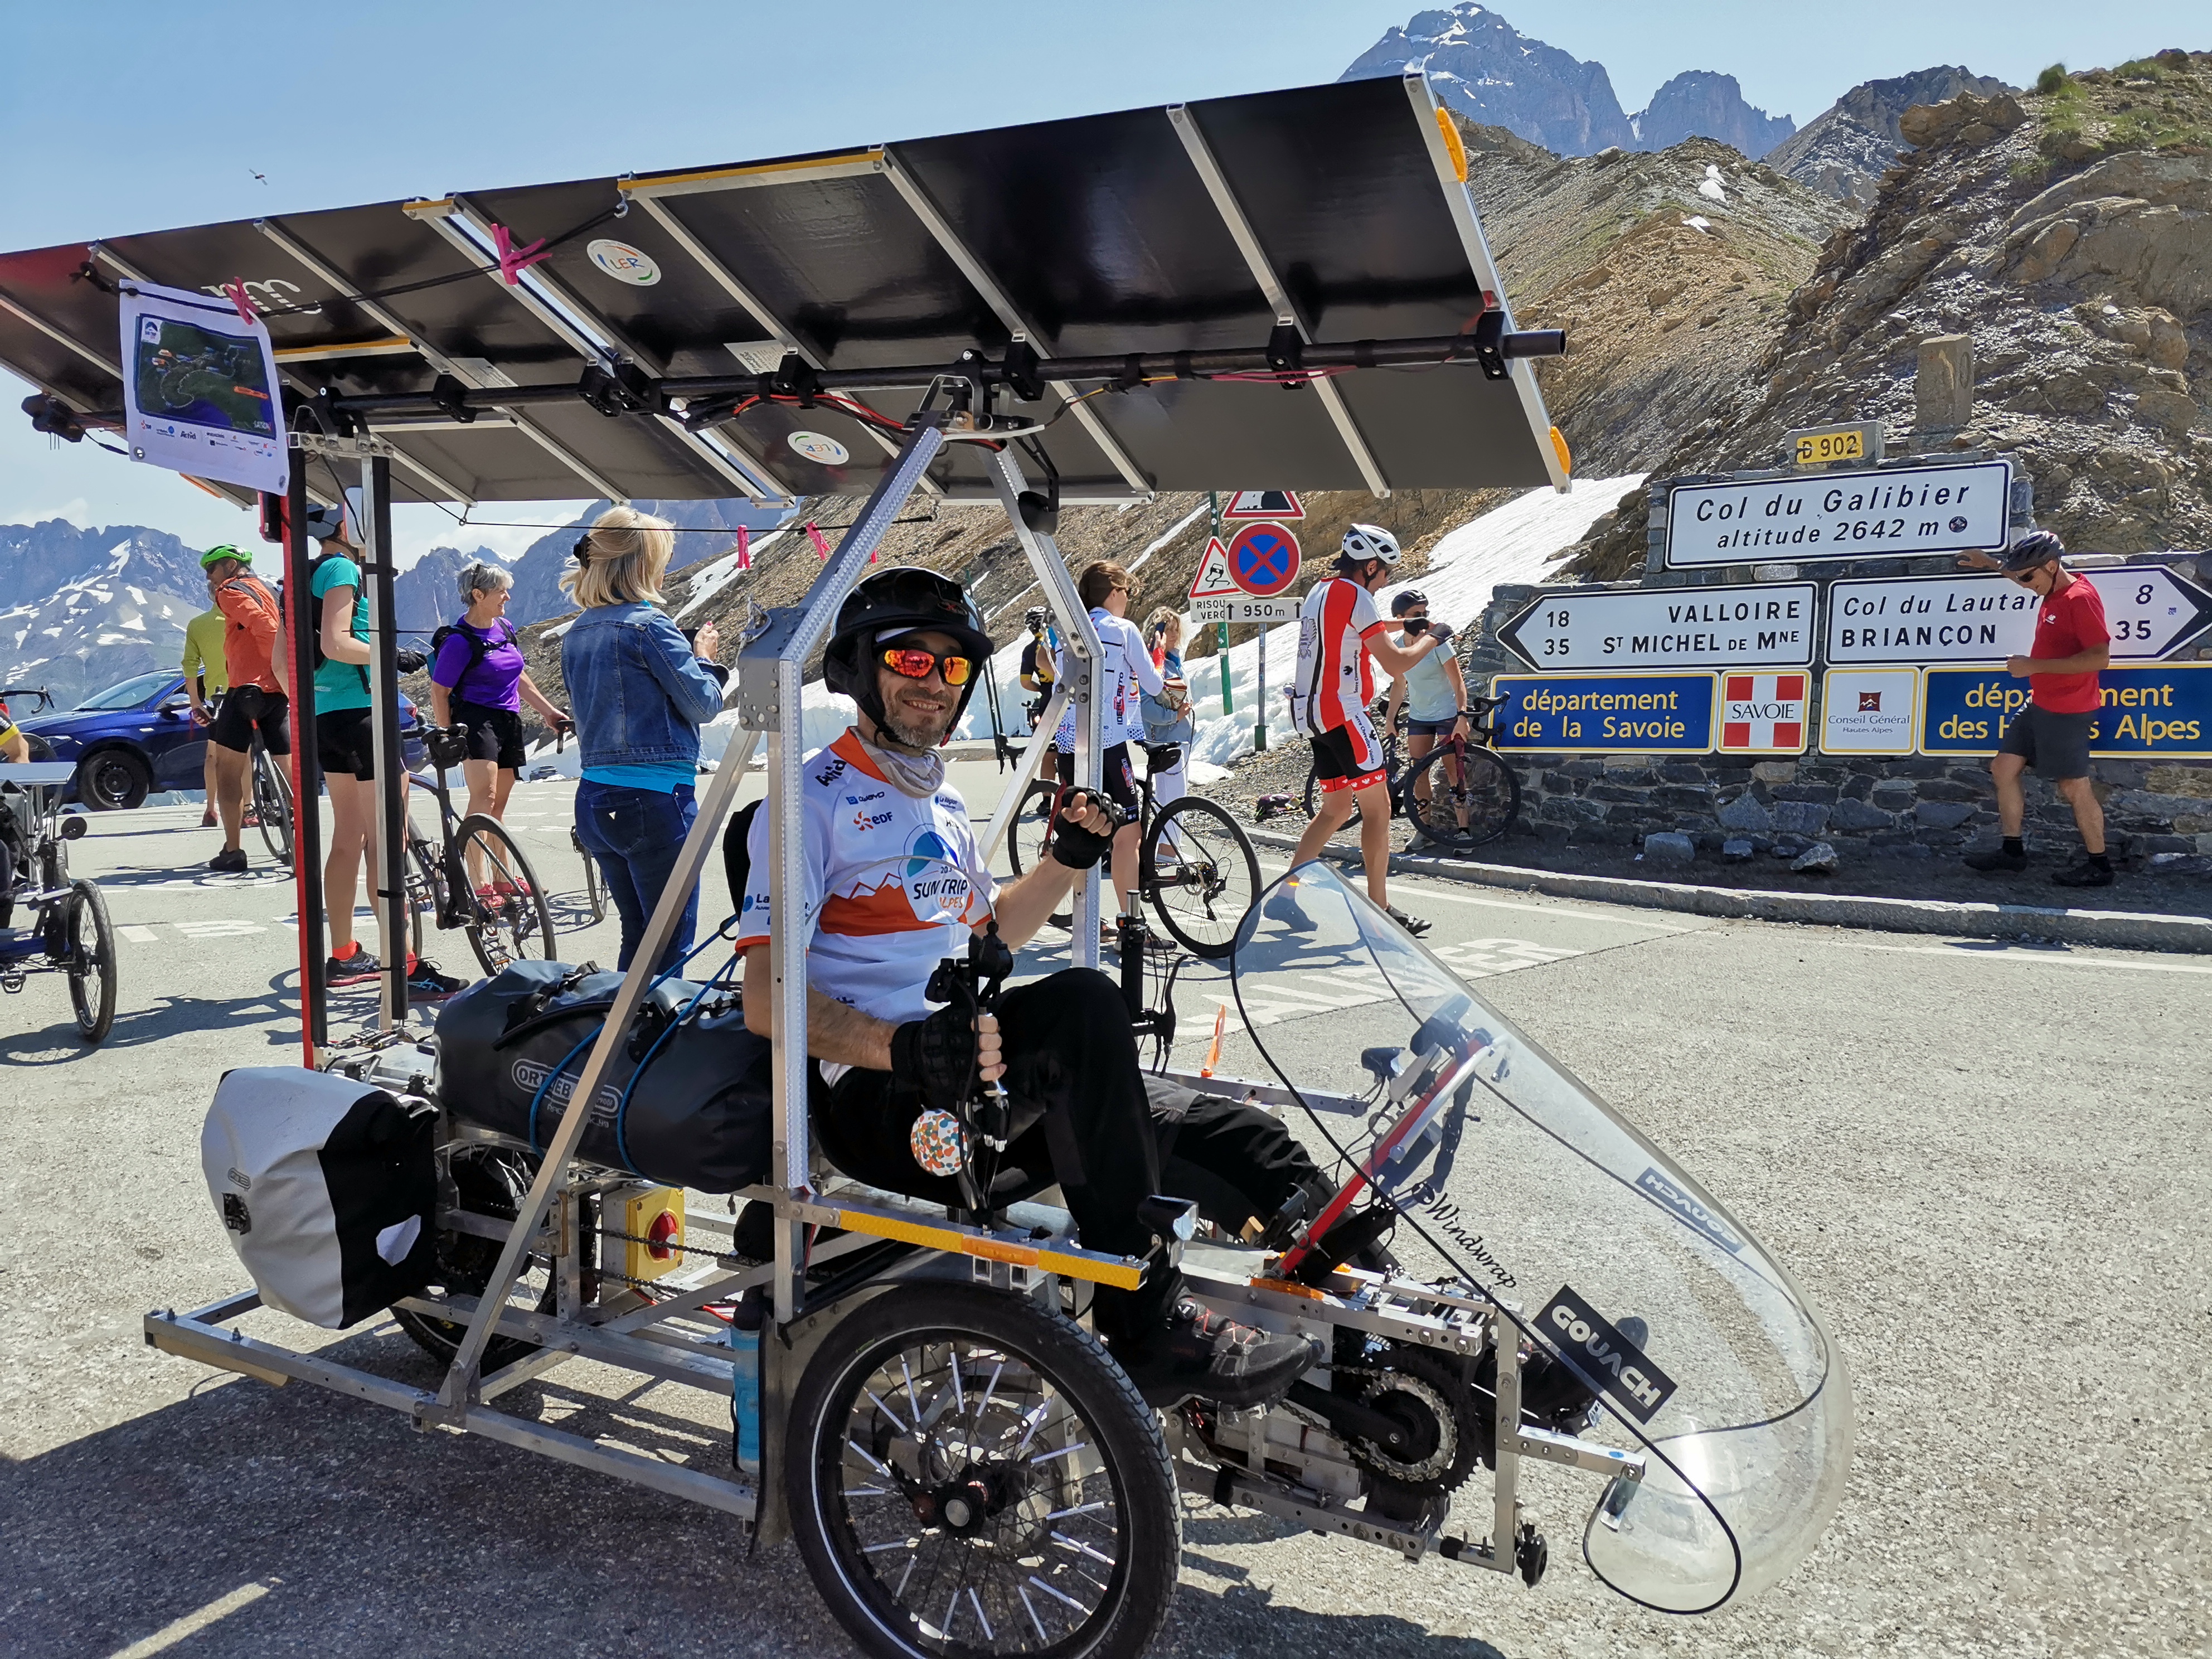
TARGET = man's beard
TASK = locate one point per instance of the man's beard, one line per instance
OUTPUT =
(920, 739)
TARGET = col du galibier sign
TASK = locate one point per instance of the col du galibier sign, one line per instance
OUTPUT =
(1872, 513)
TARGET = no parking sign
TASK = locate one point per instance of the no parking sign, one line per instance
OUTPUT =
(1263, 559)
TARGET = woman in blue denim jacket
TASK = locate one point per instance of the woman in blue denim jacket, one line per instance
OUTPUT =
(641, 693)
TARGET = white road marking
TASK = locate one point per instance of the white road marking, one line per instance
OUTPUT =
(192, 1623)
(139, 935)
(2023, 955)
(1435, 890)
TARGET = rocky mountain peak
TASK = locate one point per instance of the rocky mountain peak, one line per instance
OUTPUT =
(1702, 104)
(1843, 151)
(1487, 71)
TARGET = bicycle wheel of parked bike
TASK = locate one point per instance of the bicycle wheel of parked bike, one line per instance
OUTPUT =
(1472, 796)
(1029, 838)
(426, 889)
(508, 921)
(90, 962)
(595, 881)
(272, 803)
(1200, 874)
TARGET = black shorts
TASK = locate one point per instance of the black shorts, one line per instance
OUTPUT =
(1347, 756)
(245, 709)
(495, 734)
(2056, 745)
(1120, 782)
(345, 744)
(1420, 728)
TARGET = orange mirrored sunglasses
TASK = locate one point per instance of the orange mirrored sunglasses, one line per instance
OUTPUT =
(913, 663)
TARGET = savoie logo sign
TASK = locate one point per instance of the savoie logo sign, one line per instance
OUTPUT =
(1877, 513)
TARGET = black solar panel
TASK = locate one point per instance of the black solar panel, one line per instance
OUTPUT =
(1135, 232)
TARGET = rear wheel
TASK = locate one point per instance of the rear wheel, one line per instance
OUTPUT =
(489, 1181)
(272, 803)
(595, 881)
(508, 921)
(968, 1474)
(112, 781)
(89, 944)
(1472, 796)
(1200, 874)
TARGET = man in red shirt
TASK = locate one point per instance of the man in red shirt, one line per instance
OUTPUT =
(2052, 734)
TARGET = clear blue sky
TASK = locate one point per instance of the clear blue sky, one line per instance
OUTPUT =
(131, 116)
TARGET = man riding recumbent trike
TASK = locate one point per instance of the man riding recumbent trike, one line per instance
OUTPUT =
(992, 1348)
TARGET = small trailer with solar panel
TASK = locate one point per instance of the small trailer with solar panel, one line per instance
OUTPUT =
(1289, 289)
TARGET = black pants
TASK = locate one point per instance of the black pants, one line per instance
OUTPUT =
(1084, 1118)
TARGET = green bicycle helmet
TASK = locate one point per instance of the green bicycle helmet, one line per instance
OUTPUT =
(215, 555)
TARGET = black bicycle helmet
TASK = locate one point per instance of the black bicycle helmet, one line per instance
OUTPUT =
(2038, 547)
(904, 597)
(1406, 600)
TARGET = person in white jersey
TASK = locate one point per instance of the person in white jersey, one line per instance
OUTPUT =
(1127, 671)
(1340, 631)
(895, 882)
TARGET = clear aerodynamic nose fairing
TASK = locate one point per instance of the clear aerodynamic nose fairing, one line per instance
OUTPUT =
(1597, 1244)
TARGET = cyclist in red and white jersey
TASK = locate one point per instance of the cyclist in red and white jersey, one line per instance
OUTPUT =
(1341, 635)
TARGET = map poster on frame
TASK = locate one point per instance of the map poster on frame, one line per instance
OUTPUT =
(200, 391)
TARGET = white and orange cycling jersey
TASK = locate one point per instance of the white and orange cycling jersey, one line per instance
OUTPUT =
(893, 884)
(1335, 680)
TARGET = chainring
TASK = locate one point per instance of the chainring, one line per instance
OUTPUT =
(1429, 1384)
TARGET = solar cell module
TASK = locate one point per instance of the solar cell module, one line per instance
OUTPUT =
(1288, 289)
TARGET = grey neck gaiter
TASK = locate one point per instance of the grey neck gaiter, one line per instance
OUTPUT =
(916, 776)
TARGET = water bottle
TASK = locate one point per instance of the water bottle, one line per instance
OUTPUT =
(744, 1387)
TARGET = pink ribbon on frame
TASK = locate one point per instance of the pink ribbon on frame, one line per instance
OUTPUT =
(235, 292)
(744, 548)
(820, 547)
(514, 260)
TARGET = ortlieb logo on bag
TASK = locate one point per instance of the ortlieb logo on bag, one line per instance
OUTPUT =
(531, 1074)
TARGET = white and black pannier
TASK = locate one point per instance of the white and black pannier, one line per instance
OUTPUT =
(325, 1188)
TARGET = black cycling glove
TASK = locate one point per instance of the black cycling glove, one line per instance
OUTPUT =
(1074, 846)
(412, 662)
(1442, 632)
(936, 1055)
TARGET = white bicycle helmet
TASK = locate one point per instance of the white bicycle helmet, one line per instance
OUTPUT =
(1364, 542)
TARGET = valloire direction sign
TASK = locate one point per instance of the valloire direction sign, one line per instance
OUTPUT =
(1985, 618)
(1841, 515)
(1767, 622)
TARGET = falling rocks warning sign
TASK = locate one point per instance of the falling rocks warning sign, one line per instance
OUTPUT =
(1763, 713)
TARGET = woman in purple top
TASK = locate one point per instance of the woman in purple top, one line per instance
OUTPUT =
(477, 680)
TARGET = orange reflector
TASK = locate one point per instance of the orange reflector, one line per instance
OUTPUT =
(1453, 141)
(1559, 448)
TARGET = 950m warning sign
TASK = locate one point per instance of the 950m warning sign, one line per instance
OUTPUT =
(1841, 515)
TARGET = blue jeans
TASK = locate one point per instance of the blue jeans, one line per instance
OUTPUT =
(635, 834)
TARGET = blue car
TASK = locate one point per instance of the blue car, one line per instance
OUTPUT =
(138, 736)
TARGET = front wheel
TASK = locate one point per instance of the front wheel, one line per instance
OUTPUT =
(507, 918)
(1462, 798)
(1029, 838)
(489, 1183)
(968, 1474)
(1200, 872)
(88, 943)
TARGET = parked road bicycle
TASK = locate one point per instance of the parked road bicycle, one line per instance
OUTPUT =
(1194, 865)
(271, 799)
(474, 878)
(1460, 794)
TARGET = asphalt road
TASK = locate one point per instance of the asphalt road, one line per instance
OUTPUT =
(1979, 1160)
